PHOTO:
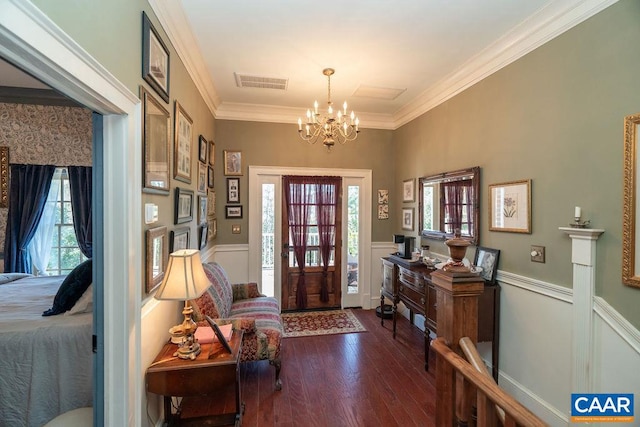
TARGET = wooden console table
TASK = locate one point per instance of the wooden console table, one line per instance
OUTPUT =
(213, 370)
(412, 284)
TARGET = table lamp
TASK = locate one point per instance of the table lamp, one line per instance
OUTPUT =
(185, 280)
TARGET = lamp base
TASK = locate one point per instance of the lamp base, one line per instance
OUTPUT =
(188, 351)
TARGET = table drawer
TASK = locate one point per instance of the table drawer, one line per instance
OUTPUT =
(412, 280)
(416, 301)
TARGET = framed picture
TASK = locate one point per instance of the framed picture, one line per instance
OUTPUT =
(155, 59)
(183, 134)
(209, 177)
(203, 147)
(156, 128)
(211, 204)
(213, 229)
(203, 236)
(487, 259)
(232, 162)
(202, 209)
(233, 190)
(407, 219)
(212, 152)
(4, 177)
(183, 206)
(383, 197)
(409, 190)
(179, 239)
(202, 178)
(233, 211)
(510, 206)
(383, 211)
(157, 256)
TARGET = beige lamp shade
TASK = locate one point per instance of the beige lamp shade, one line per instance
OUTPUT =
(185, 278)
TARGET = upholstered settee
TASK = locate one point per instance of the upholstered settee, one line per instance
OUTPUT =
(247, 309)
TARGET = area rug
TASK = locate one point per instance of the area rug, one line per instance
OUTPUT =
(309, 323)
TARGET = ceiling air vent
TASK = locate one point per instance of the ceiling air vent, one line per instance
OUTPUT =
(261, 82)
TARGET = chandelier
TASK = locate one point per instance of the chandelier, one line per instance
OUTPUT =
(331, 127)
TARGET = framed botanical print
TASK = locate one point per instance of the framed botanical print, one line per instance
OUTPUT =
(183, 206)
(179, 239)
(409, 190)
(155, 59)
(157, 257)
(156, 128)
(232, 162)
(183, 134)
(211, 204)
(407, 219)
(510, 206)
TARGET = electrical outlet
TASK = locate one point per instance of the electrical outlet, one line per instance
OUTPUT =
(537, 253)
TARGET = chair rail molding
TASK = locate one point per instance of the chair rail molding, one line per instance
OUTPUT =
(583, 257)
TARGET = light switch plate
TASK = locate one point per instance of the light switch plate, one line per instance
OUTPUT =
(150, 213)
(537, 253)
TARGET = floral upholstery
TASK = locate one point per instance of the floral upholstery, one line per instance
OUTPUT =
(243, 306)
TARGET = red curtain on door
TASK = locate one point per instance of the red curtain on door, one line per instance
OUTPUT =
(306, 196)
(457, 197)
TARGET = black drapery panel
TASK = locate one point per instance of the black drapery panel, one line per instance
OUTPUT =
(28, 191)
(80, 185)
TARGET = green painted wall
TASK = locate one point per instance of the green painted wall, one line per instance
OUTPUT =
(112, 33)
(555, 117)
(273, 144)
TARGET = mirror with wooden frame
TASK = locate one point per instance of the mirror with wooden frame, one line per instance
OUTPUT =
(630, 252)
(448, 201)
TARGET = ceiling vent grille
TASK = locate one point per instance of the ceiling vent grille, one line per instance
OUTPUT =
(261, 82)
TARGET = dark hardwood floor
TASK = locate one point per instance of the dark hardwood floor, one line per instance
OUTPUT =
(362, 379)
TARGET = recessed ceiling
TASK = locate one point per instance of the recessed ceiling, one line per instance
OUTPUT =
(417, 53)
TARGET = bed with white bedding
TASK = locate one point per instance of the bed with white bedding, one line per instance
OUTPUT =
(45, 362)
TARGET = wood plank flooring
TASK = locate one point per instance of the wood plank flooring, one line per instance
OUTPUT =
(361, 379)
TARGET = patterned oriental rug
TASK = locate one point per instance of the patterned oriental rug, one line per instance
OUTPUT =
(308, 323)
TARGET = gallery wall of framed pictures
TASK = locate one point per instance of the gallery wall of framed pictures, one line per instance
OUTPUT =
(178, 163)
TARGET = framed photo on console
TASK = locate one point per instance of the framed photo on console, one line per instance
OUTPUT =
(487, 259)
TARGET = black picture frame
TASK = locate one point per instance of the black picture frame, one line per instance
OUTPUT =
(183, 206)
(218, 333)
(180, 238)
(233, 190)
(487, 258)
(203, 147)
(233, 212)
(155, 59)
(204, 233)
(210, 181)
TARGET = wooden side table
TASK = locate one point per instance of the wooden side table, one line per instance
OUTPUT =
(214, 369)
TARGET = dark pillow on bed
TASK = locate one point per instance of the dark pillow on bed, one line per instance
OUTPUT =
(71, 289)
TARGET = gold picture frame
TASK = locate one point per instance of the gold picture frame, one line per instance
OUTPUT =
(4, 177)
(157, 257)
(232, 163)
(510, 206)
(630, 211)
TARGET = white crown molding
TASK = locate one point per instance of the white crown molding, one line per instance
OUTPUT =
(550, 21)
(175, 24)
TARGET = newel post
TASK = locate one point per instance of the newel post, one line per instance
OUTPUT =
(583, 257)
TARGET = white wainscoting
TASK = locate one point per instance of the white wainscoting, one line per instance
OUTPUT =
(535, 337)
